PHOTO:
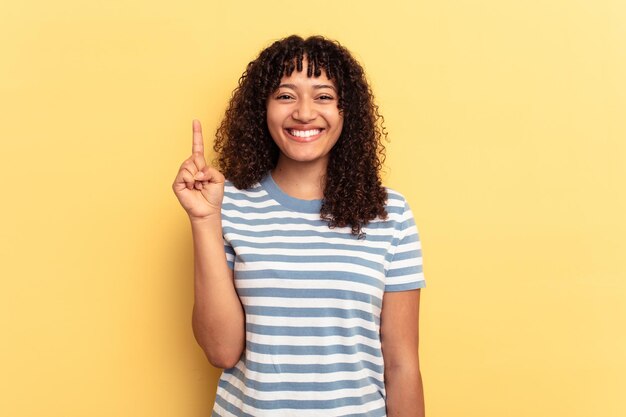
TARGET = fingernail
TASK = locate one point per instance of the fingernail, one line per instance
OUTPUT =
(200, 175)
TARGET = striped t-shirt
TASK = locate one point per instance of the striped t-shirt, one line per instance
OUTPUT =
(312, 298)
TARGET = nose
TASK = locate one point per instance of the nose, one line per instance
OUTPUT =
(304, 111)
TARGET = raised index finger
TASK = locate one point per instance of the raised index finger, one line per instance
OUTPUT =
(198, 143)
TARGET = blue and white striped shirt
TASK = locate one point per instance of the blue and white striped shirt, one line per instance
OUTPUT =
(312, 298)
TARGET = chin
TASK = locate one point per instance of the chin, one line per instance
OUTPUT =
(305, 159)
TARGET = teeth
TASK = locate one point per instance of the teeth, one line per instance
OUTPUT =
(304, 133)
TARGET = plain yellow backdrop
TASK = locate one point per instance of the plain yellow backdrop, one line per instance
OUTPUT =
(507, 133)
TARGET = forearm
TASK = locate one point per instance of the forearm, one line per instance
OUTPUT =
(405, 392)
(218, 318)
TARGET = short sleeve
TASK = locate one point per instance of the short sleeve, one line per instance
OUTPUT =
(405, 268)
(230, 254)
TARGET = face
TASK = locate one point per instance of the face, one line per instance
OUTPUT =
(303, 117)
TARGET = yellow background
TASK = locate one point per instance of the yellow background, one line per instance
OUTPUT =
(508, 137)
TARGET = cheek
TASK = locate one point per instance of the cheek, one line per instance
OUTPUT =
(334, 118)
(339, 125)
(273, 123)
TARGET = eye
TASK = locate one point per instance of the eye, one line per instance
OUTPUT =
(326, 97)
(283, 96)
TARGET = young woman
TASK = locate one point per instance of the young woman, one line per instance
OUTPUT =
(307, 270)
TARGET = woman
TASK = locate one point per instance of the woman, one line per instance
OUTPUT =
(307, 270)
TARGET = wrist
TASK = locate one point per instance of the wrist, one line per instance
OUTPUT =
(210, 220)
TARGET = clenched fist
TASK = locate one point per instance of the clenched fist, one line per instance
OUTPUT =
(199, 187)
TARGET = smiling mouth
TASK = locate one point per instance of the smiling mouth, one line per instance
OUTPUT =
(304, 133)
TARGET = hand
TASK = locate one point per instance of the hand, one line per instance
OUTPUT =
(199, 187)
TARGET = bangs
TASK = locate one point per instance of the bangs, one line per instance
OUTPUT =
(315, 64)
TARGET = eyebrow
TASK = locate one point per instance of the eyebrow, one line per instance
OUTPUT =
(315, 86)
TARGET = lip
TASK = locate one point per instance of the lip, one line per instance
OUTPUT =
(301, 139)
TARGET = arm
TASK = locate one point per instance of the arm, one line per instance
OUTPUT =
(218, 318)
(400, 340)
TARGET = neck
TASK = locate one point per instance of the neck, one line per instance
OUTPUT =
(301, 180)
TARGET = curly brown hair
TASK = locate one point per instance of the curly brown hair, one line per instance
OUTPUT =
(353, 193)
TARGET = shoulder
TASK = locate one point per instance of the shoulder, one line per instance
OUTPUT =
(394, 196)
(237, 201)
(231, 190)
(396, 202)
(399, 212)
